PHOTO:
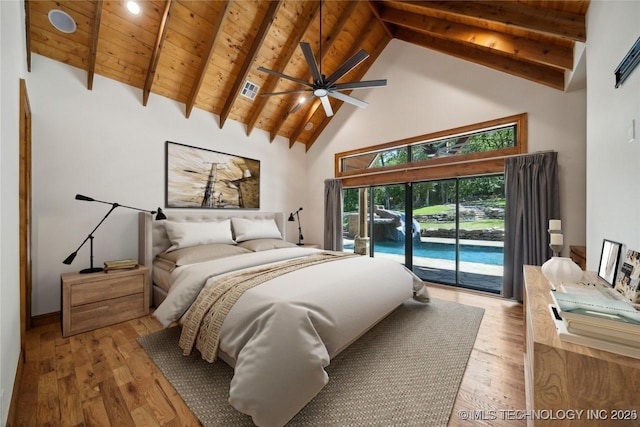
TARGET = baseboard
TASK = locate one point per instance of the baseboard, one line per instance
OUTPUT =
(11, 415)
(45, 319)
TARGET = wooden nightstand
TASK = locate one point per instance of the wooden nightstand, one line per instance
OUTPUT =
(579, 255)
(91, 301)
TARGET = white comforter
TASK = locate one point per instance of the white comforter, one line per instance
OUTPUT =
(281, 335)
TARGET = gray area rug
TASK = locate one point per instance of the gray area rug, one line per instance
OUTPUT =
(406, 371)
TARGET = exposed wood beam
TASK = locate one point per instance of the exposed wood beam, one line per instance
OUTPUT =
(512, 14)
(94, 45)
(27, 24)
(265, 26)
(157, 49)
(359, 73)
(328, 43)
(308, 115)
(204, 62)
(376, 12)
(517, 47)
(283, 59)
(539, 73)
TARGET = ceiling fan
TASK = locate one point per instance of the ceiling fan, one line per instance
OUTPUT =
(322, 86)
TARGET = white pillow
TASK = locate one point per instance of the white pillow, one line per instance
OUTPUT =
(249, 229)
(185, 234)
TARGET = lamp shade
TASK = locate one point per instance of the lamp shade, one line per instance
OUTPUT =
(561, 269)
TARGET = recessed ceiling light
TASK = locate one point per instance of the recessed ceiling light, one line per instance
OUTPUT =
(62, 21)
(133, 7)
(309, 126)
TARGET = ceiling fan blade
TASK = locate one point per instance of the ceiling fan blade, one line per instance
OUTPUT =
(349, 65)
(301, 103)
(326, 105)
(286, 92)
(349, 99)
(359, 85)
(311, 61)
(284, 76)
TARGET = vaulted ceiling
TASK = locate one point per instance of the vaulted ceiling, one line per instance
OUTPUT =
(202, 53)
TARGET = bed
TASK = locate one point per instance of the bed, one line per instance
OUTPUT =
(274, 311)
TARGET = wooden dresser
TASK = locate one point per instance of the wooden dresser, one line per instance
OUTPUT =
(561, 376)
(91, 301)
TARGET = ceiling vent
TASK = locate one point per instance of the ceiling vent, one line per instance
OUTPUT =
(62, 21)
(250, 90)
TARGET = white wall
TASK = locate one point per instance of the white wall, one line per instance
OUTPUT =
(428, 92)
(613, 164)
(103, 143)
(12, 69)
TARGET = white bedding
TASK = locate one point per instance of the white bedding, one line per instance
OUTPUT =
(282, 334)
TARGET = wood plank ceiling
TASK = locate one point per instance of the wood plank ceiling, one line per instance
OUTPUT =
(201, 53)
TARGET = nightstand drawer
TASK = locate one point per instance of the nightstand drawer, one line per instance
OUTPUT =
(91, 301)
(108, 288)
(108, 312)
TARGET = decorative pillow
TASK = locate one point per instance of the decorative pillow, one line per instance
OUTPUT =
(249, 229)
(163, 264)
(200, 253)
(185, 234)
(258, 245)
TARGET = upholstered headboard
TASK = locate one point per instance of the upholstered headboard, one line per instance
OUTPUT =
(153, 239)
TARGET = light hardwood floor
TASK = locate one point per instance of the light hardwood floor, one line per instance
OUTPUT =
(104, 377)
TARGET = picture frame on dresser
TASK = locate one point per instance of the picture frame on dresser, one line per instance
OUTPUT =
(609, 261)
(629, 277)
(206, 179)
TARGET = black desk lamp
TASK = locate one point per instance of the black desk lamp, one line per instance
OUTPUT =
(160, 216)
(300, 238)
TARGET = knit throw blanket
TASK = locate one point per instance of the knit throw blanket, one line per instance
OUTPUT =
(205, 317)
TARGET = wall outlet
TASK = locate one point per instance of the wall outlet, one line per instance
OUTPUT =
(631, 133)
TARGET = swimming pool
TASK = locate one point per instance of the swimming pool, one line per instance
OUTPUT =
(469, 253)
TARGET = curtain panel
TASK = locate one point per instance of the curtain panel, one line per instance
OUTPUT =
(531, 190)
(333, 214)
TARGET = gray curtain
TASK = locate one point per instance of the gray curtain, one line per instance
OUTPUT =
(531, 189)
(333, 214)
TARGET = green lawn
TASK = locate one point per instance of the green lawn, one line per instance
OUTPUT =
(466, 225)
(431, 210)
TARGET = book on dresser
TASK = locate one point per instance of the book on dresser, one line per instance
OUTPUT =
(590, 341)
(120, 264)
(599, 317)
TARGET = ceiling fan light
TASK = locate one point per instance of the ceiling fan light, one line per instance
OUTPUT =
(320, 92)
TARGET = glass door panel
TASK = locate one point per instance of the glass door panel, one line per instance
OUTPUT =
(434, 210)
(354, 219)
(481, 232)
(387, 230)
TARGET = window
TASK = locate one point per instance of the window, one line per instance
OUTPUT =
(477, 146)
(434, 202)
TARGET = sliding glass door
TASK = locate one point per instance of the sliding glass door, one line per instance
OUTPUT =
(461, 231)
(452, 234)
(434, 209)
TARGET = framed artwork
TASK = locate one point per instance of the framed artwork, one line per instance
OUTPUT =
(609, 260)
(629, 276)
(207, 179)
